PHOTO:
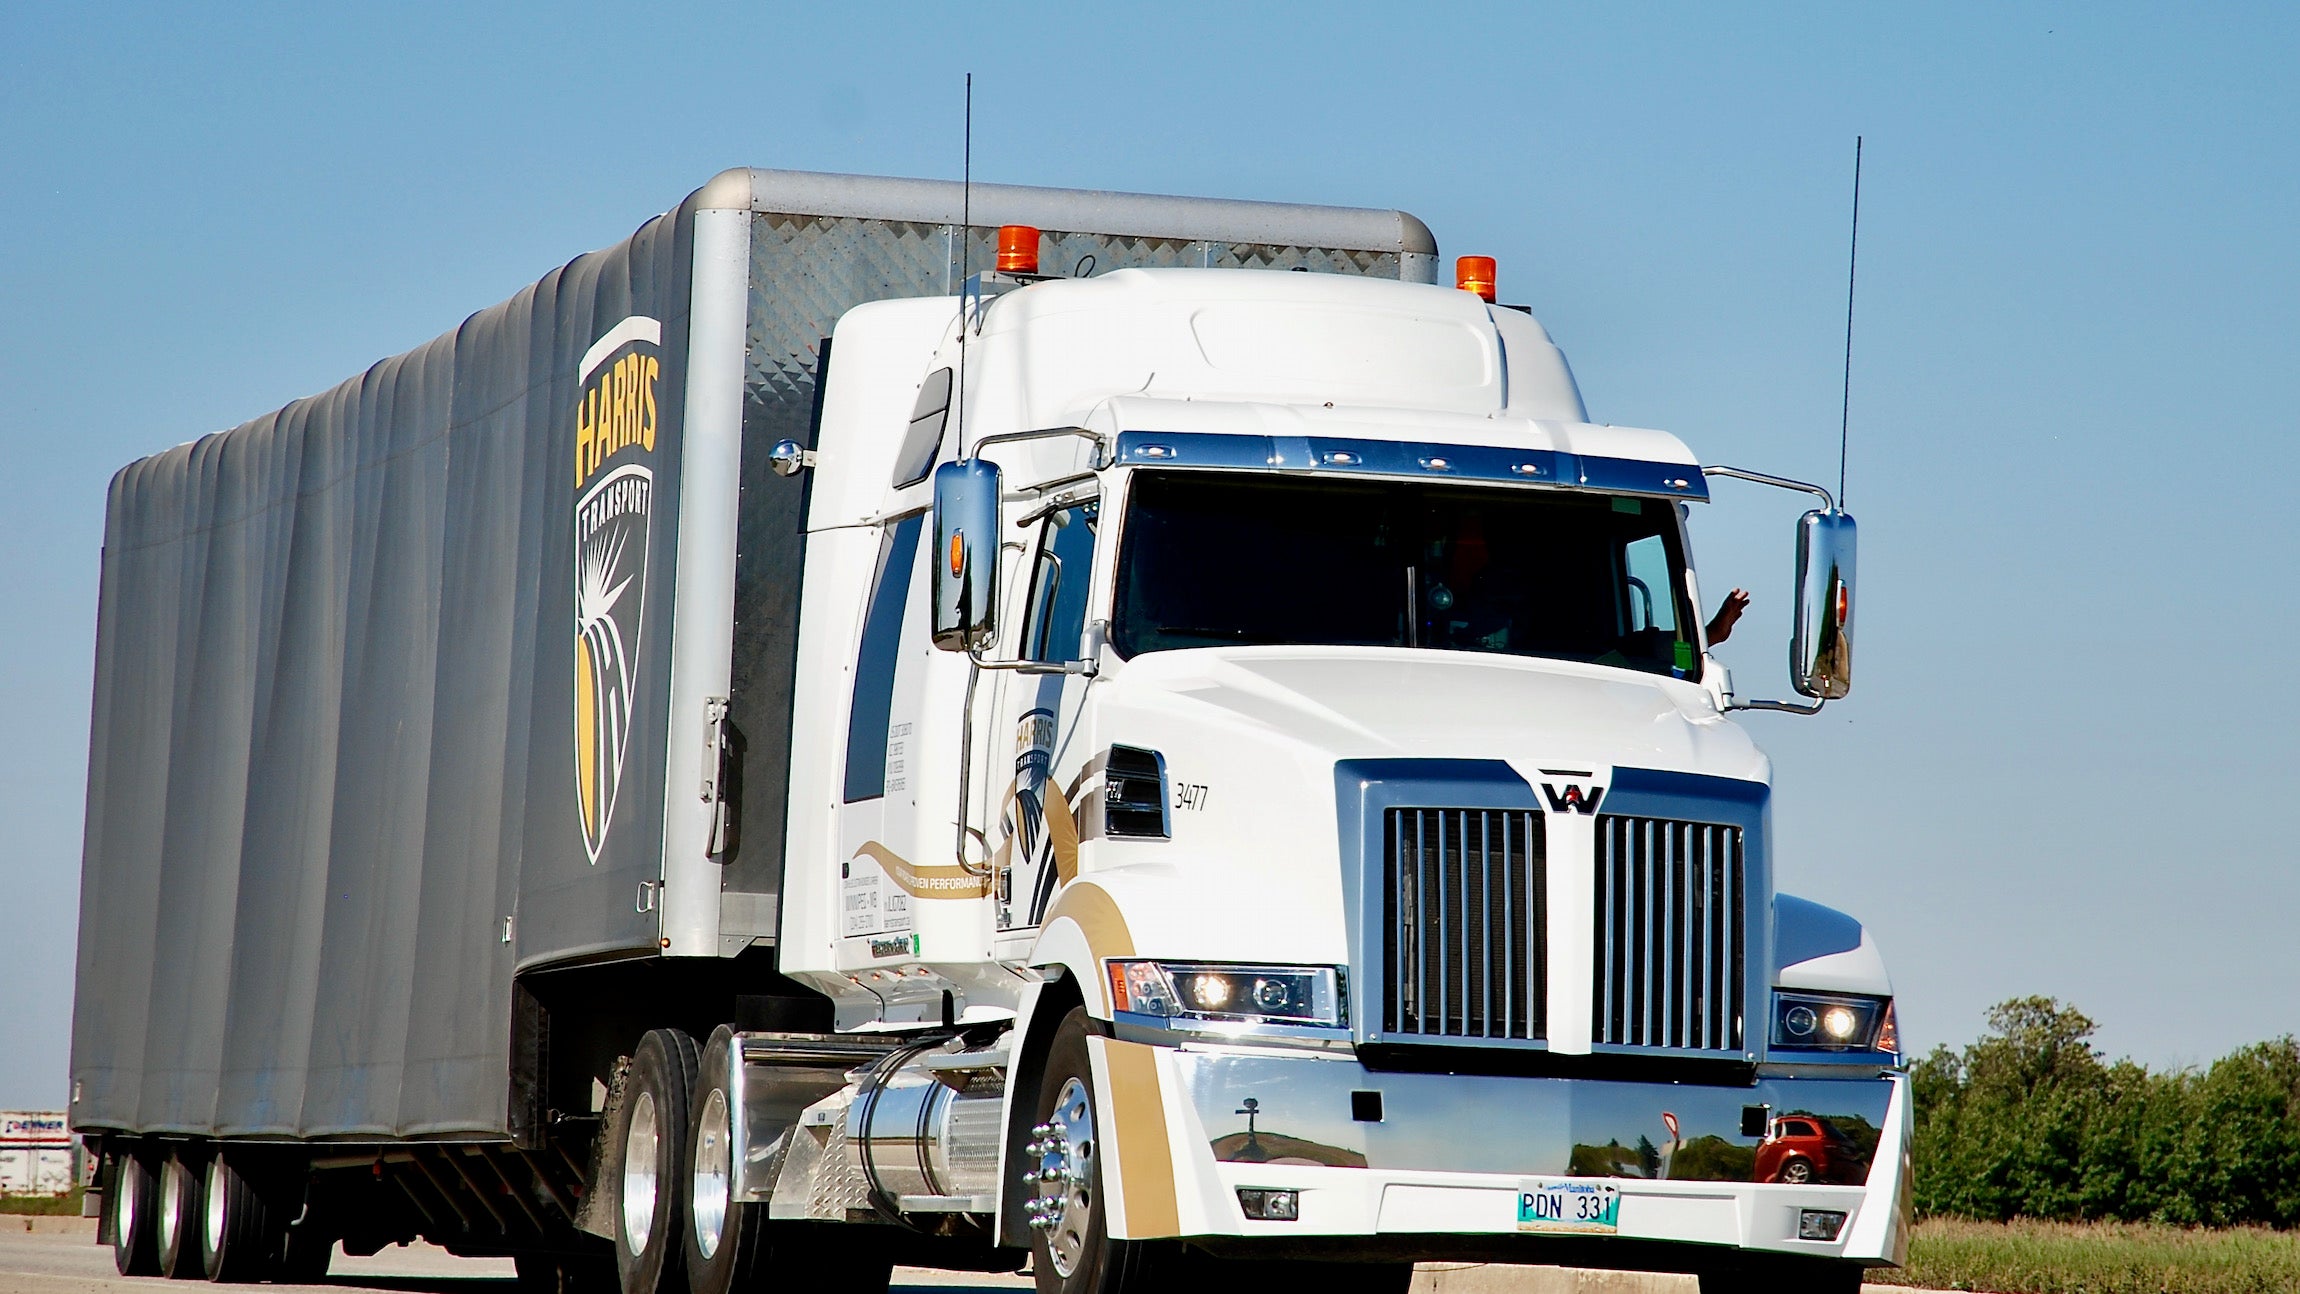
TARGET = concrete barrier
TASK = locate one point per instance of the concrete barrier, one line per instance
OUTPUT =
(48, 1224)
(1500, 1278)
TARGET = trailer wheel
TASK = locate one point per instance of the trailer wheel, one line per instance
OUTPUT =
(650, 1137)
(1071, 1251)
(179, 1218)
(133, 1204)
(240, 1233)
(731, 1244)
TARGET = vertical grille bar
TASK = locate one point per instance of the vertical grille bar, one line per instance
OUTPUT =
(1463, 939)
(1671, 934)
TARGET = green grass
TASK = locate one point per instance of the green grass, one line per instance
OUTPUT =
(48, 1205)
(2098, 1258)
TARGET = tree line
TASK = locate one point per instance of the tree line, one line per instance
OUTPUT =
(2030, 1121)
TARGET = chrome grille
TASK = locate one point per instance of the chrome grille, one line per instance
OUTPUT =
(1670, 922)
(1466, 895)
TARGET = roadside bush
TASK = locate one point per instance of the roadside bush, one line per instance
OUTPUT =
(2030, 1122)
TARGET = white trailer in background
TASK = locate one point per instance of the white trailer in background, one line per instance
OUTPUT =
(37, 1153)
(1183, 755)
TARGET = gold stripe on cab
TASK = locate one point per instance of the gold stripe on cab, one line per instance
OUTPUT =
(1145, 1155)
(949, 881)
(1096, 914)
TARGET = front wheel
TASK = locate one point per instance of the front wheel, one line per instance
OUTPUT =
(1071, 1251)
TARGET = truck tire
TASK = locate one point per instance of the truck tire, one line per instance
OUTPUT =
(1071, 1251)
(179, 1219)
(133, 1209)
(650, 1140)
(241, 1234)
(732, 1245)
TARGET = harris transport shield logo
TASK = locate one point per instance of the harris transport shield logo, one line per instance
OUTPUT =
(615, 426)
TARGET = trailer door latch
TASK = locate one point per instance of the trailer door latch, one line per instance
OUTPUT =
(715, 773)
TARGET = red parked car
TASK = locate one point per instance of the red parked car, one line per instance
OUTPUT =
(1802, 1148)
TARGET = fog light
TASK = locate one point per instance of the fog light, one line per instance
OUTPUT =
(1286, 1206)
(1819, 1224)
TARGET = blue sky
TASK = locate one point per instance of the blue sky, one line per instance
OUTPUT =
(2065, 766)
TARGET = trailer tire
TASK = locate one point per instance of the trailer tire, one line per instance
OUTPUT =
(179, 1217)
(133, 1209)
(1073, 1252)
(651, 1158)
(241, 1234)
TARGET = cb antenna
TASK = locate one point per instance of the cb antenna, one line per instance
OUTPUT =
(1852, 267)
(965, 260)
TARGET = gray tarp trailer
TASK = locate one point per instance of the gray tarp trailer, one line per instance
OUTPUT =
(440, 723)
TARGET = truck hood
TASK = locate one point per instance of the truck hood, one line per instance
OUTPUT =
(1361, 703)
(1250, 737)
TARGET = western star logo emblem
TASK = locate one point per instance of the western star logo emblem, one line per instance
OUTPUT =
(615, 425)
(1573, 799)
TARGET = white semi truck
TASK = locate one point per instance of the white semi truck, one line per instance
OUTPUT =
(1159, 745)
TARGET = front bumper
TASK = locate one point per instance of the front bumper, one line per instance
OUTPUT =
(1439, 1174)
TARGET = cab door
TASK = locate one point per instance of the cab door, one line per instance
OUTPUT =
(1036, 822)
(875, 790)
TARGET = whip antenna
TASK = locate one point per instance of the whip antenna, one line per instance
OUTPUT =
(965, 261)
(1852, 267)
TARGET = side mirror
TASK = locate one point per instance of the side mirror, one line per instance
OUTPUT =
(965, 554)
(1821, 653)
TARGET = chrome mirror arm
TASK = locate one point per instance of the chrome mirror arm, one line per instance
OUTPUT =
(1828, 502)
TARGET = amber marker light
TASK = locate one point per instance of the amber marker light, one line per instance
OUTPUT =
(1018, 249)
(1120, 999)
(957, 554)
(1475, 274)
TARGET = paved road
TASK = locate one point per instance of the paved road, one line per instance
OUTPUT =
(71, 1262)
(63, 1258)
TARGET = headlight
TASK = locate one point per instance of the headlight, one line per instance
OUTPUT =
(1309, 995)
(1833, 1022)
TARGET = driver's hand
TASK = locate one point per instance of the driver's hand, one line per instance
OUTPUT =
(1721, 624)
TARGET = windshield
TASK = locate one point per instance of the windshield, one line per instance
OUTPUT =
(1210, 559)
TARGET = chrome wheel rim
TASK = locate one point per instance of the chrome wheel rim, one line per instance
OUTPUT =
(171, 1205)
(1062, 1148)
(639, 1148)
(712, 1162)
(214, 1219)
(129, 1187)
(1798, 1172)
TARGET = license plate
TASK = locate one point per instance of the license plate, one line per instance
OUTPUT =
(1574, 1208)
